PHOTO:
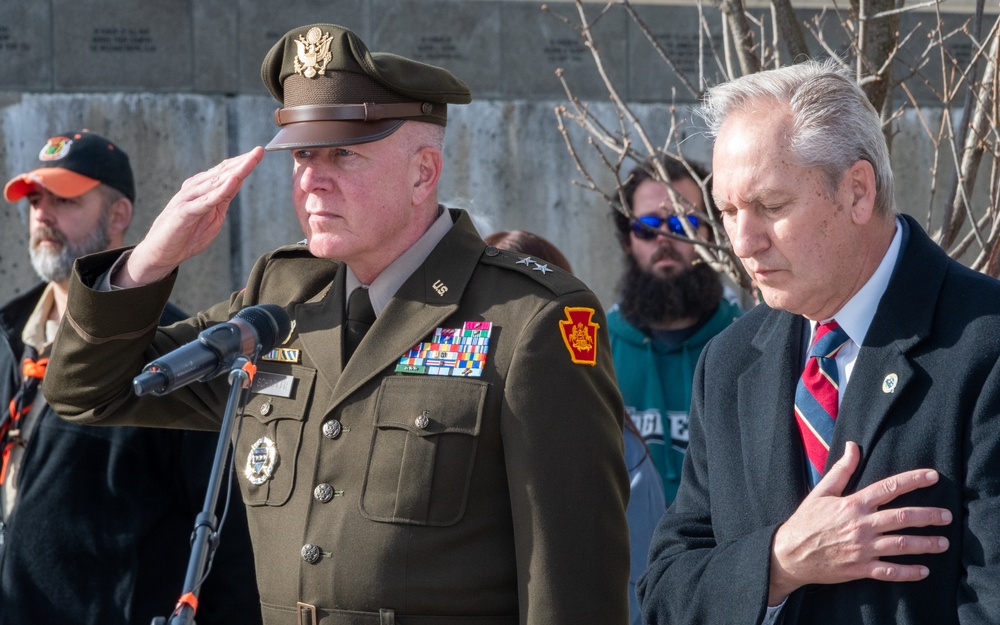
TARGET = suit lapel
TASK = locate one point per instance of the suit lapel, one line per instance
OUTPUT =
(427, 298)
(772, 450)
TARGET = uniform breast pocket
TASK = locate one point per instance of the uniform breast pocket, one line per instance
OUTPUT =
(271, 434)
(423, 449)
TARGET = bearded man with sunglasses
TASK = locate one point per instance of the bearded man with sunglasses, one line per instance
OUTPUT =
(670, 305)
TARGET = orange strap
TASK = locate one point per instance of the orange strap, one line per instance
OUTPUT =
(251, 370)
(4, 461)
(34, 369)
(188, 599)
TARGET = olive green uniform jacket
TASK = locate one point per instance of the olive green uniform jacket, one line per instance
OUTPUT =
(507, 501)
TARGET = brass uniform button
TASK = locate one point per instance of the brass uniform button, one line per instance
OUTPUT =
(323, 493)
(332, 429)
(311, 553)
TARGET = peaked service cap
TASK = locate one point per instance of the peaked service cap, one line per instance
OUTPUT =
(335, 92)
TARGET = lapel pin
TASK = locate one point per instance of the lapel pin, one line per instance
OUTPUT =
(889, 383)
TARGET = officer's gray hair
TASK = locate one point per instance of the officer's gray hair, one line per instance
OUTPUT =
(427, 135)
(834, 125)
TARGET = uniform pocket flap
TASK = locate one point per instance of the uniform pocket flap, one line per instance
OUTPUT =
(426, 405)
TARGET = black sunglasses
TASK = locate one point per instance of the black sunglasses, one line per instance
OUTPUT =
(656, 222)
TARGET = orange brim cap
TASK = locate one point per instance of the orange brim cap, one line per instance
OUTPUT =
(60, 181)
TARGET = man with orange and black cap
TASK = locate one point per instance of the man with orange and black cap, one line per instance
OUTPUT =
(461, 461)
(94, 521)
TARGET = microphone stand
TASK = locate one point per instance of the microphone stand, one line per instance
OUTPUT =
(205, 538)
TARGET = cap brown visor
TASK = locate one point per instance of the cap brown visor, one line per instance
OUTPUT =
(331, 134)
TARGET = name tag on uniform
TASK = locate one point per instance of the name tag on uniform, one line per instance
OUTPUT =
(273, 384)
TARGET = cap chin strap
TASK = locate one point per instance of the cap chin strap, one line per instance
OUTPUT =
(369, 112)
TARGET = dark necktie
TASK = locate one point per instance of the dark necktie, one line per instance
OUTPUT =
(32, 372)
(817, 396)
(360, 317)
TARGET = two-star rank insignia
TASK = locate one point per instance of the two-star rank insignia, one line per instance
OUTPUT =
(535, 265)
(579, 333)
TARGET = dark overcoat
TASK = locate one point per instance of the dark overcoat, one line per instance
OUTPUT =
(924, 393)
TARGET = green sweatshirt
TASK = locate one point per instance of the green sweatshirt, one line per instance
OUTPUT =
(655, 382)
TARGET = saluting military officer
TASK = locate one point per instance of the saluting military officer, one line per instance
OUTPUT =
(464, 466)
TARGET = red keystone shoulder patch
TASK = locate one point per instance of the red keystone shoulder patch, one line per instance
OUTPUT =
(579, 333)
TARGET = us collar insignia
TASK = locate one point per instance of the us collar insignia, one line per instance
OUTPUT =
(261, 461)
(579, 334)
(313, 53)
(451, 351)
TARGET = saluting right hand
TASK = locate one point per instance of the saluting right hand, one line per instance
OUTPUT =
(189, 223)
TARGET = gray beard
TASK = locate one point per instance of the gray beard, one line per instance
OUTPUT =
(57, 266)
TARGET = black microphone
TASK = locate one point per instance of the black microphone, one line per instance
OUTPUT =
(254, 330)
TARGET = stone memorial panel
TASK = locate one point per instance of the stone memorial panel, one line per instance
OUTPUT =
(216, 44)
(25, 45)
(261, 24)
(680, 34)
(462, 37)
(107, 45)
(535, 43)
(917, 58)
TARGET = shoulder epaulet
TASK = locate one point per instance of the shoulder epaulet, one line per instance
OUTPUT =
(290, 273)
(554, 278)
(293, 250)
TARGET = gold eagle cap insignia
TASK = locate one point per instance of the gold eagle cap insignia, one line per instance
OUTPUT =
(313, 53)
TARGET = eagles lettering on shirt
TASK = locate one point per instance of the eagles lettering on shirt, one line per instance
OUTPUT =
(650, 425)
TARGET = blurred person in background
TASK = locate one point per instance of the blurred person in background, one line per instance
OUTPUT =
(670, 304)
(96, 521)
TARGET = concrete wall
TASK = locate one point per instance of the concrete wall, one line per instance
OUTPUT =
(176, 84)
